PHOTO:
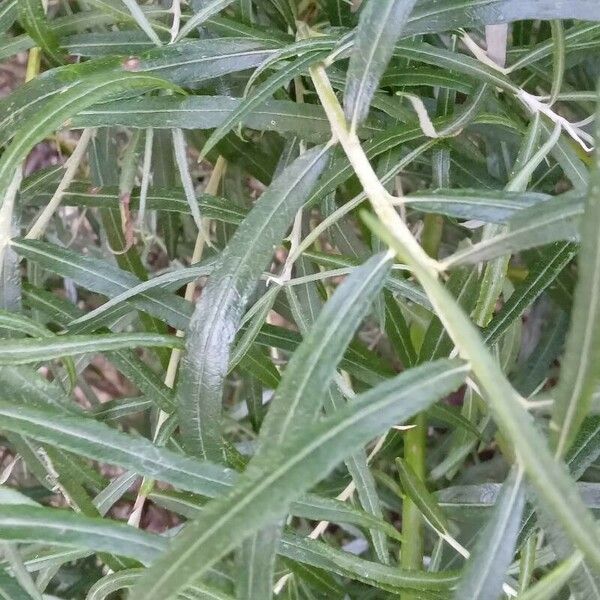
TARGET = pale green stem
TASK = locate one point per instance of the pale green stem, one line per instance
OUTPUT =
(381, 200)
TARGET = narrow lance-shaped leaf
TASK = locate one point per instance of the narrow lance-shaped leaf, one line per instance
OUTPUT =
(265, 489)
(306, 306)
(88, 438)
(300, 395)
(310, 506)
(101, 277)
(218, 313)
(491, 206)
(125, 579)
(10, 588)
(345, 564)
(207, 112)
(57, 110)
(486, 568)
(379, 27)
(550, 480)
(542, 274)
(33, 19)
(258, 97)
(431, 16)
(19, 352)
(168, 200)
(203, 9)
(8, 14)
(415, 489)
(544, 223)
(65, 528)
(203, 59)
(142, 20)
(398, 332)
(579, 373)
(256, 559)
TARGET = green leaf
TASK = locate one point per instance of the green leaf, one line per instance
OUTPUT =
(170, 200)
(190, 62)
(185, 63)
(172, 280)
(8, 14)
(543, 273)
(398, 332)
(207, 112)
(23, 384)
(430, 16)
(551, 221)
(415, 489)
(259, 98)
(485, 495)
(217, 315)
(85, 437)
(203, 10)
(379, 26)
(33, 19)
(390, 578)
(142, 20)
(490, 206)
(125, 579)
(19, 352)
(299, 397)
(10, 588)
(310, 506)
(110, 43)
(264, 491)
(65, 528)
(486, 568)
(579, 373)
(256, 562)
(101, 277)
(57, 110)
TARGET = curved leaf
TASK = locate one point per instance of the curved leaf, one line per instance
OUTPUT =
(579, 373)
(266, 489)
(217, 315)
(486, 568)
(379, 27)
(19, 352)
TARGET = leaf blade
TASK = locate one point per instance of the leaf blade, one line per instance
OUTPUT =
(379, 27)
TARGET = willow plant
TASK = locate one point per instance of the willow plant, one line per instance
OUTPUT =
(306, 306)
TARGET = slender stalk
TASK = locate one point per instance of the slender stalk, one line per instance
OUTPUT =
(411, 553)
(380, 199)
(146, 175)
(71, 166)
(415, 441)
